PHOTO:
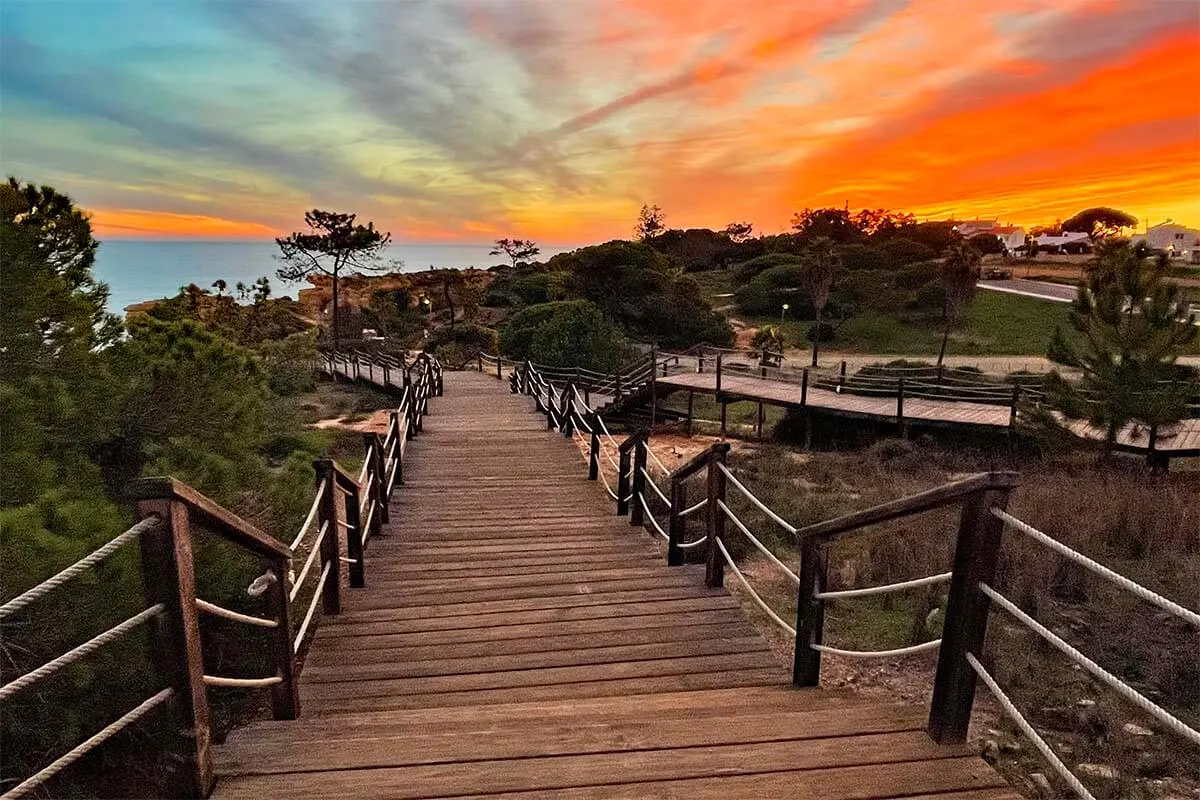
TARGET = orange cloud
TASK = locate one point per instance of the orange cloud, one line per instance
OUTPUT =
(121, 222)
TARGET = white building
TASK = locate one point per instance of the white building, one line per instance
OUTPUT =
(1065, 242)
(1177, 241)
(1011, 236)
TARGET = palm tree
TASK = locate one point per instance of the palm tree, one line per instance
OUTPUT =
(821, 261)
(960, 271)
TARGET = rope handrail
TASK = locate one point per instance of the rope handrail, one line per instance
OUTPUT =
(308, 562)
(312, 606)
(650, 482)
(80, 566)
(929, 580)
(1120, 580)
(225, 613)
(392, 471)
(608, 488)
(648, 515)
(87, 745)
(74, 654)
(750, 589)
(754, 540)
(783, 523)
(241, 683)
(690, 545)
(362, 473)
(1172, 722)
(656, 459)
(312, 515)
(366, 524)
(899, 651)
(687, 512)
(1027, 729)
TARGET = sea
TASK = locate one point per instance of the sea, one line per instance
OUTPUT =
(147, 269)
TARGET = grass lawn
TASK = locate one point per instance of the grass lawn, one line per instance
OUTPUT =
(996, 324)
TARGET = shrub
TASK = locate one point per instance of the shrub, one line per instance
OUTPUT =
(771, 289)
(825, 331)
(748, 270)
(569, 333)
(863, 257)
(904, 251)
(469, 337)
(929, 299)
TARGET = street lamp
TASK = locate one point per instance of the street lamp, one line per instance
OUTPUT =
(782, 312)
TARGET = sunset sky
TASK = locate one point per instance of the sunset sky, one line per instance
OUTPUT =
(463, 120)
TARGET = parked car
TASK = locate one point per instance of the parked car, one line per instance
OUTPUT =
(997, 274)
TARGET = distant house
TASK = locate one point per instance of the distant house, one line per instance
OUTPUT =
(1065, 242)
(1010, 236)
(1177, 241)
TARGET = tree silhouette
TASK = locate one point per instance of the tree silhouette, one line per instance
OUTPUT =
(220, 285)
(821, 262)
(739, 231)
(651, 222)
(1133, 325)
(1100, 222)
(333, 242)
(515, 249)
(960, 271)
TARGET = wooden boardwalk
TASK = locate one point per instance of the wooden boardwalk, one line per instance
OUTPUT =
(517, 639)
(1183, 439)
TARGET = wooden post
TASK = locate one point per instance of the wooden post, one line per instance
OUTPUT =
(525, 377)
(637, 514)
(479, 359)
(676, 524)
(566, 417)
(810, 612)
(841, 372)
(939, 374)
(623, 476)
(499, 369)
(715, 570)
(724, 415)
(975, 557)
(549, 405)
(653, 383)
(594, 452)
(719, 355)
(331, 599)
(762, 363)
(700, 362)
(285, 695)
(691, 397)
(587, 395)
(378, 486)
(760, 420)
(168, 577)
(804, 387)
(399, 480)
(900, 401)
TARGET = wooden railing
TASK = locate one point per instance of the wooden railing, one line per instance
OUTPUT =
(982, 501)
(172, 513)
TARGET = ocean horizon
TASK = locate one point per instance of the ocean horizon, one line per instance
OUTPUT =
(137, 270)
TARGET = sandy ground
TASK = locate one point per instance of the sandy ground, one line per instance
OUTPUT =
(375, 422)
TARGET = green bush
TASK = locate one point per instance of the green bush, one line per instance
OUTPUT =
(773, 287)
(929, 299)
(469, 337)
(864, 258)
(569, 333)
(748, 270)
(904, 251)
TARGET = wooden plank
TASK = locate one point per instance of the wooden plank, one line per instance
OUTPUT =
(868, 782)
(517, 739)
(664, 682)
(604, 709)
(549, 676)
(373, 614)
(564, 772)
(366, 649)
(354, 627)
(746, 641)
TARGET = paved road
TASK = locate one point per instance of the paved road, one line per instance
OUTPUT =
(1056, 292)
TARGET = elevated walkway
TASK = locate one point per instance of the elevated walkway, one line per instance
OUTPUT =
(516, 637)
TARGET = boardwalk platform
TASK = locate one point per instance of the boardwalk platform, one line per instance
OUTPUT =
(517, 639)
(1182, 439)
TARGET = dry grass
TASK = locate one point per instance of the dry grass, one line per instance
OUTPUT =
(1145, 527)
